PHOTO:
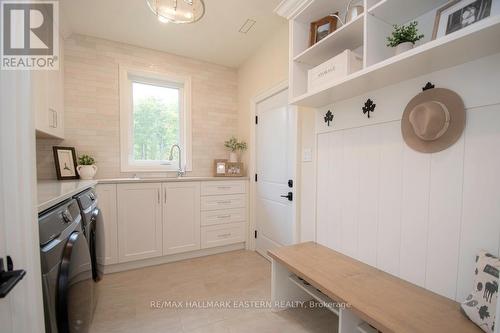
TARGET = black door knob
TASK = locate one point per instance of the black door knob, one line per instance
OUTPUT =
(289, 196)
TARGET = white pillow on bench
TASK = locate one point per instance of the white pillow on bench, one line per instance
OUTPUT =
(480, 306)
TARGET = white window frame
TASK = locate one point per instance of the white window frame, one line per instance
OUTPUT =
(183, 83)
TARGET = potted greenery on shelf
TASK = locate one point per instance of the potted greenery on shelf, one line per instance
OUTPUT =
(404, 37)
(234, 146)
(86, 167)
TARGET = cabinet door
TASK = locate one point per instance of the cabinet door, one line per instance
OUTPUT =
(181, 217)
(139, 221)
(55, 94)
(40, 81)
(106, 194)
(48, 99)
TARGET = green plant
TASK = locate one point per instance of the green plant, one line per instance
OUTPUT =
(403, 34)
(233, 144)
(86, 160)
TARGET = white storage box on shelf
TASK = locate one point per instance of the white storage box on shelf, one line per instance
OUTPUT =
(334, 69)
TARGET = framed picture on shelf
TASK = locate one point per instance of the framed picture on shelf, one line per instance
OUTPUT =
(65, 161)
(322, 28)
(458, 14)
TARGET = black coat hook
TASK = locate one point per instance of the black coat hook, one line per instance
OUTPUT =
(328, 117)
(369, 107)
(428, 86)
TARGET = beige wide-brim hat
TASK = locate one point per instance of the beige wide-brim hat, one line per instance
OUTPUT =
(433, 120)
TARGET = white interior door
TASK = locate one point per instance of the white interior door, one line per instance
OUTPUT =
(275, 146)
(21, 311)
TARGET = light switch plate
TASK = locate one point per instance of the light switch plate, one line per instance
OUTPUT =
(307, 155)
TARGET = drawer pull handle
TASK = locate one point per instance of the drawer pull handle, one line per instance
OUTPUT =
(224, 235)
(224, 216)
(224, 202)
(224, 187)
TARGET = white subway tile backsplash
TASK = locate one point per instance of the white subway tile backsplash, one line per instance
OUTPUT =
(92, 104)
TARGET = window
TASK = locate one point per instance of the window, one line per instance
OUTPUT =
(154, 116)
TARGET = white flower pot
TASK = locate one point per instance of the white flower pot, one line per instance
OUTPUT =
(87, 171)
(233, 157)
(403, 47)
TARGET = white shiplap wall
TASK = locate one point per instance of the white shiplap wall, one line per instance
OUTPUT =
(421, 217)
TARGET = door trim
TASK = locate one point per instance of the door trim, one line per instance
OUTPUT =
(251, 244)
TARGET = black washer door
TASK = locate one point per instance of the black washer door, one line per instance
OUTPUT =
(74, 289)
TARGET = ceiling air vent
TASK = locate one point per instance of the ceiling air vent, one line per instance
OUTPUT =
(247, 26)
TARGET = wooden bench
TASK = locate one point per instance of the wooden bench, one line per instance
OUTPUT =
(384, 301)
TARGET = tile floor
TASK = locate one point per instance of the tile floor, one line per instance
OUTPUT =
(125, 299)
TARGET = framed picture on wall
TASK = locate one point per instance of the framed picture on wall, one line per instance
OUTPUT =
(458, 14)
(322, 28)
(65, 162)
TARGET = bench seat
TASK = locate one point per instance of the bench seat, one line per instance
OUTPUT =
(386, 302)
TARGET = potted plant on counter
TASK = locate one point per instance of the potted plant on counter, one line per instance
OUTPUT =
(404, 37)
(86, 167)
(235, 147)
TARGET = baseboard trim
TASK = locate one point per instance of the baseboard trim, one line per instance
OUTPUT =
(126, 266)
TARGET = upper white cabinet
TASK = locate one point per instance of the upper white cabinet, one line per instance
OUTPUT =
(181, 217)
(139, 221)
(366, 35)
(48, 99)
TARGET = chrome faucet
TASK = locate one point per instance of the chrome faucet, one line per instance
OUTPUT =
(180, 171)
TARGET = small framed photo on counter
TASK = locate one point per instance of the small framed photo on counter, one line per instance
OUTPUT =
(234, 169)
(223, 168)
(220, 168)
(65, 161)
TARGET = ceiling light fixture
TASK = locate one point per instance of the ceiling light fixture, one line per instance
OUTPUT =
(162, 19)
(177, 11)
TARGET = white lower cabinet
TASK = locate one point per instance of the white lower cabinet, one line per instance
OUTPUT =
(223, 213)
(148, 220)
(222, 234)
(213, 217)
(217, 202)
(139, 221)
(181, 217)
(106, 194)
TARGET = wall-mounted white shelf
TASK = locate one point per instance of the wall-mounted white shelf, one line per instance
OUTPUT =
(471, 43)
(402, 11)
(314, 293)
(349, 36)
(314, 10)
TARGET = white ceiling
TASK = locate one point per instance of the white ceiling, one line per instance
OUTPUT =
(215, 38)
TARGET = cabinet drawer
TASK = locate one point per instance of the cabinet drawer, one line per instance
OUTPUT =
(223, 187)
(216, 202)
(225, 216)
(225, 234)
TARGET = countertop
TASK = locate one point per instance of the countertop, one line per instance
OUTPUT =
(166, 179)
(52, 192)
